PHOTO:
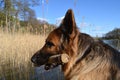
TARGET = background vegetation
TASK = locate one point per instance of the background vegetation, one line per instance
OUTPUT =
(21, 35)
(114, 34)
(18, 15)
(15, 53)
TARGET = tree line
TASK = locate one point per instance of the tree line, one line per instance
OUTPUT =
(114, 34)
(18, 15)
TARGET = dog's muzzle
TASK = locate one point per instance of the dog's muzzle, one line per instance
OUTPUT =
(52, 61)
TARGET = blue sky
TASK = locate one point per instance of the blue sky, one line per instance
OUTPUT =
(95, 17)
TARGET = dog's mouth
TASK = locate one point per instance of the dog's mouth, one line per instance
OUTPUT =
(50, 66)
(54, 61)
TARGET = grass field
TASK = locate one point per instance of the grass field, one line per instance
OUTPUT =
(15, 53)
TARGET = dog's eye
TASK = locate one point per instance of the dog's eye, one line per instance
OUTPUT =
(49, 44)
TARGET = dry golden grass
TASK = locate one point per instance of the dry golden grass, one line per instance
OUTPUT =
(15, 53)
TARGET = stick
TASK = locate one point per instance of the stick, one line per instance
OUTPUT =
(60, 58)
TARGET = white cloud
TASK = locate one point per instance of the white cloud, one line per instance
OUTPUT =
(84, 24)
(59, 19)
(43, 19)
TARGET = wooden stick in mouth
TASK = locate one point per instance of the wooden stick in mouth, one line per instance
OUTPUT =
(59, 59)
(56, 60)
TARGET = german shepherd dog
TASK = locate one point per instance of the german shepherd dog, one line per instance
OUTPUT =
(89, 59)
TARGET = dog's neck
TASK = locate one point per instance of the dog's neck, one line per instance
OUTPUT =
(78, 53)
(72, 53)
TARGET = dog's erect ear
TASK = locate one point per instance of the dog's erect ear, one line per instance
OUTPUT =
(69, 24)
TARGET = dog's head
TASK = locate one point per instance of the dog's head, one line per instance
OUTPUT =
(59, 41)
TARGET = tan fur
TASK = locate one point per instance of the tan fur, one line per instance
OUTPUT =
(89, 59)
